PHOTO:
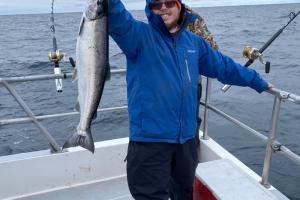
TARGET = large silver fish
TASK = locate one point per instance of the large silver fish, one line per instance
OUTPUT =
(92, 68)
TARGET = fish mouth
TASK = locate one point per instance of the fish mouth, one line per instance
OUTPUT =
(97, 9)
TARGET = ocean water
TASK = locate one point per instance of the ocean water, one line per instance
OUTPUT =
(25, 41)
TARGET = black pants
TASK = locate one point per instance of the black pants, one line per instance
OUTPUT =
(159, 171)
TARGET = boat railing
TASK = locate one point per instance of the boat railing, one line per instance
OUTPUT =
(273, 146)
(31, 117)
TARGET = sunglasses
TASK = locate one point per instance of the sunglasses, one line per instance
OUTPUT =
(158, 5)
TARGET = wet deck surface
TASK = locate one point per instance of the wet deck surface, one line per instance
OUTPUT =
(115, 189)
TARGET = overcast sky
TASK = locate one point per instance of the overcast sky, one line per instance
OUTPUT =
(44, 6)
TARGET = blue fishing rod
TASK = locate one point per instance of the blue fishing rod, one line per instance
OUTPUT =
(56, 55)
(252, 53)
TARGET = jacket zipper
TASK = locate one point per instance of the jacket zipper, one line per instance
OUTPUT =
(180, 111)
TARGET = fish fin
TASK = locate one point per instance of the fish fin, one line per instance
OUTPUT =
(75, 74)
(108, 73)
(86, 141)
(77, 106)
(72, 62)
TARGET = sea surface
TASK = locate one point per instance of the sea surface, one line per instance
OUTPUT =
(25, 41)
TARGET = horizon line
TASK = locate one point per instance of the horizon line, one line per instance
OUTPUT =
(135, 7)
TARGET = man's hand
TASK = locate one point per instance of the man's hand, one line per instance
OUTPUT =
(270, 85)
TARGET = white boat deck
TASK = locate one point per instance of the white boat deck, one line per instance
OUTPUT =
(114, 189)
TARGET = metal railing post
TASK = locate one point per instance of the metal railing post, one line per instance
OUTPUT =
(270, 144)
(207, 98)
(20, 101)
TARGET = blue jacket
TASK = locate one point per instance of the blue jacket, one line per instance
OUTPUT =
(162, 74)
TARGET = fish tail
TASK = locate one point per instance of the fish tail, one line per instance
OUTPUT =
(86, 141)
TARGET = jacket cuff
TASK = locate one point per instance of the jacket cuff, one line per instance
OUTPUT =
(259, 84)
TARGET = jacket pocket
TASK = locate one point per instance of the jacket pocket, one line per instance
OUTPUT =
(191, 66)
(187, 69)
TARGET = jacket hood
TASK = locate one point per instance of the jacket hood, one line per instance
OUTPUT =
(147, 8)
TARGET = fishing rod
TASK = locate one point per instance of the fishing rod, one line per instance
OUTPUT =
(56, 55)
(252, 53)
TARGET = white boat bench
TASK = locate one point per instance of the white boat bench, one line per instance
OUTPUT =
(227, 181)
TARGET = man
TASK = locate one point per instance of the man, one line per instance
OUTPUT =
(164, 61)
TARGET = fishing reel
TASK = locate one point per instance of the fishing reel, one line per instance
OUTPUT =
(253, 54)
(55, 57)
